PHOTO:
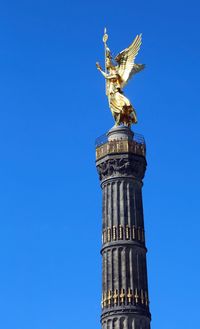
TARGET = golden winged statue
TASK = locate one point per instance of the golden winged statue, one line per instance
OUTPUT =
(117, 77)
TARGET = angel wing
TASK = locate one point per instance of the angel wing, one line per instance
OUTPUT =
(125, 59)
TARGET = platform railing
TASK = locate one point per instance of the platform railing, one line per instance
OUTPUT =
(104, 147)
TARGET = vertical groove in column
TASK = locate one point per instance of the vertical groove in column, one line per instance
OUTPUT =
(129, 323)
(133, 324)
(138, 270)
(109, 270)
(115, 204)
(144, 284)
(125, 205)
(112, 270)
(127, 250)
(109, 206)
(103, 272)
(116, 323)
(145, 271)
(132, 205)
(142, 274)
(128, 205)
(138, 205)
(115, 269)
(110, 211)
(106, 206)
(134, 268)
(121, 201)
(119, 268)
(118, 203)
(141, 208)
(103, 209)
(112, 204)
(123, 268)
(109, 324)
(106, 287)
(122, 323)
(131, 267)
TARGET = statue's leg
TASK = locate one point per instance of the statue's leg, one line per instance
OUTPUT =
(117, 117)
(118, 120)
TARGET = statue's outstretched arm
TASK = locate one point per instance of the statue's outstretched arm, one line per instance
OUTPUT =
(102, 72)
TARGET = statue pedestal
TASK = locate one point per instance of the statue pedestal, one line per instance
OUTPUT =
(120, 133)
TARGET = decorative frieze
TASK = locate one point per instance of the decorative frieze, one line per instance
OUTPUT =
(125, 297)
(123, 233)
(125, 166)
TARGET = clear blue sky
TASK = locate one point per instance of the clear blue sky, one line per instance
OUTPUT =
(52, 107)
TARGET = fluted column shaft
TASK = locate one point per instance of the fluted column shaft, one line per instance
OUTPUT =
(123, 231)
(125, 299)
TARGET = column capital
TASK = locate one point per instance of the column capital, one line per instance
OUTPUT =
(121, 165)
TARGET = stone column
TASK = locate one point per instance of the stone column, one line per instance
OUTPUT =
(121, 165)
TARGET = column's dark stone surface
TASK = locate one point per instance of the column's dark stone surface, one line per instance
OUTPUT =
(121, 165)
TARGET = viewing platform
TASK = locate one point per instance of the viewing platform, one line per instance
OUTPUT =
(135, 145)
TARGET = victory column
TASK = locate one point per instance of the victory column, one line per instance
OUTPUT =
(121, 164)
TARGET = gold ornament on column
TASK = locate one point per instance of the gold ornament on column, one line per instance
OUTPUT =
(115, 297)
(129, 295)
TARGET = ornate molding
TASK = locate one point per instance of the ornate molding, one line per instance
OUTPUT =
(131, 166)
(120, 232)
(125, 297)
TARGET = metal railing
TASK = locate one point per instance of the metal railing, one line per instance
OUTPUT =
(136, 146)
(103, 139)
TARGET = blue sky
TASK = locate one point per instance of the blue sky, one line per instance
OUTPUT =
(52, 107)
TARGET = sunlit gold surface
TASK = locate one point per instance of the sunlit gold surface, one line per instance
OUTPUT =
(119, 232)
(120, 146)
(129, 296)
(117, 75)
(115, 296)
